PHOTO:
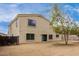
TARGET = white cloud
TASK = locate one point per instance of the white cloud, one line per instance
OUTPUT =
(76, 9)
(6, 15)
(77, 22)
(68, 7)
(13, 5)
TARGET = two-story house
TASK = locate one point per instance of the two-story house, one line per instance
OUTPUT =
(31, 28)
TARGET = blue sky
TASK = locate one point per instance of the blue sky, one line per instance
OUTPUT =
(9, 11)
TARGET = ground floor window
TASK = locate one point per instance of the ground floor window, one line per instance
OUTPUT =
(30, 36)
(57, 35)
(50, 36)
(44, 37)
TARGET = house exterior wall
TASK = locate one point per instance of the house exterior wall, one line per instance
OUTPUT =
(13, 29)
(42, 27)
(73, 37)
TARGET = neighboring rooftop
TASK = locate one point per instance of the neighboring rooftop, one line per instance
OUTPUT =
(3, 34)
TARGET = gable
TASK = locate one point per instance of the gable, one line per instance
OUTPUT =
(27, 15)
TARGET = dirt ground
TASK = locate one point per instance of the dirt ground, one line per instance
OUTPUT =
(41, 49)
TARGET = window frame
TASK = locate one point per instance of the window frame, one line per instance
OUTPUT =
(50, 36)
(57, 36)
(30, 36)
(30, 22)
(16, 22)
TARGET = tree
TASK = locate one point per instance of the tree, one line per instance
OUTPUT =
(76, 29)
(61, 23)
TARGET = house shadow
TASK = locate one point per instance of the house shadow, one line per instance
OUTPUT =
(63, 44)
(71, 43)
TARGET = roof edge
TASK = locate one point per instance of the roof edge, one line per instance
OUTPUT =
(21, 15)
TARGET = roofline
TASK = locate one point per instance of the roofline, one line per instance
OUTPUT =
(14, 19)
(24, 15)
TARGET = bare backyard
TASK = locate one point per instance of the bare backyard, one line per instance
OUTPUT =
(41, 49)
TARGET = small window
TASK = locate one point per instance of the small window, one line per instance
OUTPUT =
(31, 22)
(30, 36)
(57, 36)
(16, 23)
(50, 37)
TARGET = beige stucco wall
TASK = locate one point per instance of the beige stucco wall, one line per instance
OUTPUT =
(42, 27)
(13, 30)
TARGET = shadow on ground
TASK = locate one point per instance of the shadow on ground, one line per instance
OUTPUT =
(62, 44)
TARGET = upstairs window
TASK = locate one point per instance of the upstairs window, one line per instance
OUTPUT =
(31, 22)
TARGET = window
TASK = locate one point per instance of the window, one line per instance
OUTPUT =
(31, 22)
(16, 23)
(50, 36)
(44, 37)
(57, 35)
(30, 36)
